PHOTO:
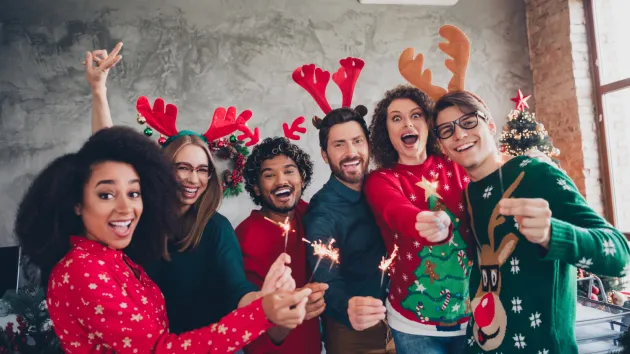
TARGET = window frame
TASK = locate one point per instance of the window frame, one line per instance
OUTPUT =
(600, 91)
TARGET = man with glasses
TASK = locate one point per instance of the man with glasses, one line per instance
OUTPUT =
(531, 227)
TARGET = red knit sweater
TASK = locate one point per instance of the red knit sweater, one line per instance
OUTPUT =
(429, 282)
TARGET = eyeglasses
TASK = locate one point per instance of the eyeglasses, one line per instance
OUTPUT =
(184, 170)
(467, 121)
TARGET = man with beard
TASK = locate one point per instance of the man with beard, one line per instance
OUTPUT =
(276, 173)
(353, 319)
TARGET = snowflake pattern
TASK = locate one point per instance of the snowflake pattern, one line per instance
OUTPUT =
(516, 305)
(525, 163)
(416, 244)
(466, 179)
(535, 320)
(514, 263)
(460, 206)
(433, 173)
(563, 183)
(609, 248)
(439, 166)
(409, 256)
(412, 197)
(519, 341)
(449, 174)
(405, 278)
(544, 351)
(447, 187)
(471, 341)
(131, 316)
(585, 263)
(487, 192)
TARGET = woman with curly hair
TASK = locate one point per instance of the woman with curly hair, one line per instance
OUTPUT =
(86, 220)
(276, 174)
(203, 251)
(417, 188)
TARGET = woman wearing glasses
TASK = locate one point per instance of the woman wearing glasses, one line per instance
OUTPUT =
(202, 277)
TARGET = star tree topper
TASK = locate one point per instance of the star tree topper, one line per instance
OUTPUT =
(430, 189)
(521, 101)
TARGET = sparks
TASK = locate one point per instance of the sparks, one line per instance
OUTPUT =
(286, 226)
(322, 251)
(385, 263)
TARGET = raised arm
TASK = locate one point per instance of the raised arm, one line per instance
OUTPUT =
(387, 199)
(107, 313)
(563, 223)
(97, 66)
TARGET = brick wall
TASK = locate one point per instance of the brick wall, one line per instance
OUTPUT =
(563, 89)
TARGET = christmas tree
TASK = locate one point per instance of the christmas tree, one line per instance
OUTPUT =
(522, 132)
(430, 297)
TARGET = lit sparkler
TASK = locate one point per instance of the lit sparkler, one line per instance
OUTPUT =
(322, 251)
(385, 263)
(286, 226)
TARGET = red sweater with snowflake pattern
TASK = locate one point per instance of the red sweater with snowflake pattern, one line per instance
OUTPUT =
(428, 293)
(101, 301)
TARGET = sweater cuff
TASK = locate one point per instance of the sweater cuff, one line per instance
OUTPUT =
(562, 240)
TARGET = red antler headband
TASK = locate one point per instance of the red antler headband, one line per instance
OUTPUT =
(224, 122)
(315, 80)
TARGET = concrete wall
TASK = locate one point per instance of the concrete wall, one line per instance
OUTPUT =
(203, 54)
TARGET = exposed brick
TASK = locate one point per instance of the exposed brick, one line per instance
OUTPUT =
(559, 60)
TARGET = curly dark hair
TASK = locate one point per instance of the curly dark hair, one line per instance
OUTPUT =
(339, 116)
(46, 216)
(381, 148)
(268, 149)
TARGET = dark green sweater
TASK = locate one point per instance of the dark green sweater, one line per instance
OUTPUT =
(523, 296)
(205, 284)
(339, 212)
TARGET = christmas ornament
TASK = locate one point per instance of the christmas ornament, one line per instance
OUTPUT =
(162, 140)
(232, 139)
(521, 101)
(315, 80)
(140, 119)
(595, 290)
(148, 131)
(457, 47)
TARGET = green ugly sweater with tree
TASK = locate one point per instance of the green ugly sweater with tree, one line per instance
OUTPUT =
(523, 296)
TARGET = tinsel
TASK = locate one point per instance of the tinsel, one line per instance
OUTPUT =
(231, 149)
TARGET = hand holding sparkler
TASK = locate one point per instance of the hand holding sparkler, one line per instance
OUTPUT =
(316, 304)
(433, 225)
(279, 276)
(365, 312)
(286, 309)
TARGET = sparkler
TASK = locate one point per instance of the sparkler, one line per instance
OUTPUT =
(322, 251)
(385, 263)
(286, 226)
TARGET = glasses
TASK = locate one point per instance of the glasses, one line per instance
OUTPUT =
(467, 121)
(185, 170)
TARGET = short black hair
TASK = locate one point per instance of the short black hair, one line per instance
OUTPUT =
(340, 116)
(381, 148)
(267, 150)
(46, 215)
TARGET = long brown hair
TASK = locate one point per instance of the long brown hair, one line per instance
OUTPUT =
(195, 219)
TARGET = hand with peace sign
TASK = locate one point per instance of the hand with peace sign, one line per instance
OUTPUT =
(97, 65)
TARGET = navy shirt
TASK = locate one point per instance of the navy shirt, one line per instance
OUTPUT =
(339, 212)
(204, 284)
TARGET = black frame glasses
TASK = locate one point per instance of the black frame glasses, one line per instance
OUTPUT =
(458, 121)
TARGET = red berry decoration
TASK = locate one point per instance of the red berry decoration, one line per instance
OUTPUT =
(595, 290)
(231, 149)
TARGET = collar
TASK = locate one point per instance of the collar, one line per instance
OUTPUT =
(344, 191)
(82, 243)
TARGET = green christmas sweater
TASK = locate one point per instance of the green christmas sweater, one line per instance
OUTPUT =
(523, 296)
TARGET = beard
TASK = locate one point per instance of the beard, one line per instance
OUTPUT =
(267, 202)
(350, 178)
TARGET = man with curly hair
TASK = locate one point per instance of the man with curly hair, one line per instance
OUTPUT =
(276, 174)
(355, 309)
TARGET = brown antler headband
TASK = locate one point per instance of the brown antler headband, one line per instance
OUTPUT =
(457, 47)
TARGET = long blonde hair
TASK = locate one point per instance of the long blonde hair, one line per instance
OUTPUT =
(195, 219)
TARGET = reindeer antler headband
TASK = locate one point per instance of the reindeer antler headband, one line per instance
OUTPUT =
(457, 47)
(224, 122)
(315, 80)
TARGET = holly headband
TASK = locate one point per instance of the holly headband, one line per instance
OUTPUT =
(224, 122)
(315, 80)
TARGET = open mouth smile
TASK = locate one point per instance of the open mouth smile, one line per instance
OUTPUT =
(122, 228)
(466, 146)
(283, 194)
(190, 193)
(409, 139)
